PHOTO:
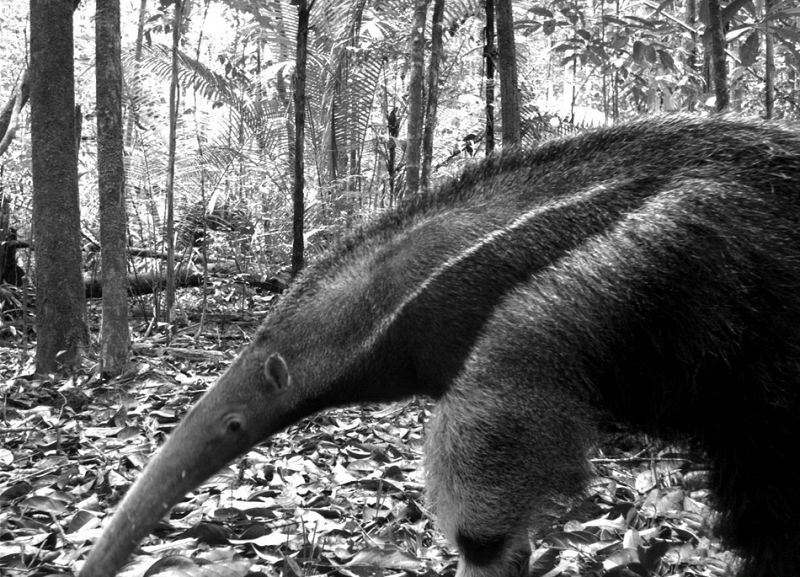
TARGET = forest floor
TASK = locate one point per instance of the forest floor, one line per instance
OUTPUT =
(338, 494)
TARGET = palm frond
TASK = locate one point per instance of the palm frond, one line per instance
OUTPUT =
(157, 60)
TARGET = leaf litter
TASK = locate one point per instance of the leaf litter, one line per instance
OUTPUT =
(340, 493)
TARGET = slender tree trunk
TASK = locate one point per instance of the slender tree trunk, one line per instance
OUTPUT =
(134, 83)
(415, 92)
(507, 66)
(60, 322)
(616, 83)
(690, 17)
(115, 338)
(719, 66)
(303, 12)
(769, 80)
(9, 117)
(333, 146)
(393, 128)
(173, 129)
(437, 49)
(489, 56)
(282, 88)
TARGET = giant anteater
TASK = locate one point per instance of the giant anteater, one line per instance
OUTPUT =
(648, 273)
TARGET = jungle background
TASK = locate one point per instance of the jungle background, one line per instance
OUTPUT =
(252, 135)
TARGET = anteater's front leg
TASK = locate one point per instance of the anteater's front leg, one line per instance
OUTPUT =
(502, 452)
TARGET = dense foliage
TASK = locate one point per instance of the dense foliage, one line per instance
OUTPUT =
(580, 64)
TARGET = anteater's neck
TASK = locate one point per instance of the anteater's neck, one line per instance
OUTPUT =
(399, 316)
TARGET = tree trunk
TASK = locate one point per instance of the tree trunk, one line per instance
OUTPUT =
(690, 47)
(415, 91)
(437, 49)
(489, 56)
(281, 87)
(719, 67)
(298, 201)
(507, 67)
(15, 104)
(170, 192)
(393, 128)
(134, 82)
(60, 322)
(9, 117)
(769, 72)
(115, 338)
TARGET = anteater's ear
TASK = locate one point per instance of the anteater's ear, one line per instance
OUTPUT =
(276, 371)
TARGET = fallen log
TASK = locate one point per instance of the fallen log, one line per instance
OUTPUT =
(142, 283)
(146, 283)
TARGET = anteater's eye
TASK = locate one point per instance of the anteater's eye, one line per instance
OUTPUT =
(234, 423)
